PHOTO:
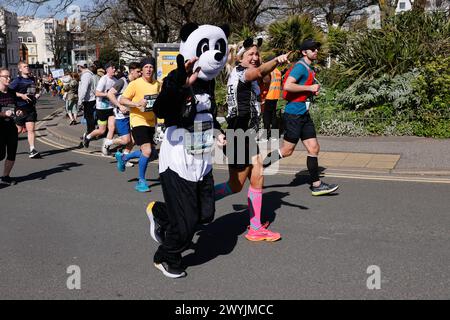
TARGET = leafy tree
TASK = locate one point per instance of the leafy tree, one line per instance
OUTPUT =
(59, 44)
(108, 53)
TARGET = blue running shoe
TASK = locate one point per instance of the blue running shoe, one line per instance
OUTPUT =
(142, 186)
(120, 162)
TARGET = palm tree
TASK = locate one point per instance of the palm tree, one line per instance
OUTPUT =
(290, 33)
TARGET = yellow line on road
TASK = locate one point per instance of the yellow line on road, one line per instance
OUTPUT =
(377, 177)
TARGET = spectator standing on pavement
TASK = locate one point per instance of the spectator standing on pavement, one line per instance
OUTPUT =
(71, 93)
(299, 87)
(26, 99)
(86, 95)
(8, 130)
(104, 110)
(122, 114)
(139, 96)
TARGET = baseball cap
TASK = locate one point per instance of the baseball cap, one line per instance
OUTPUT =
(309, 44)
(82, 63)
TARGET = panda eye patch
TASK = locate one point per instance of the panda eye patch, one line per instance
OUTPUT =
(220, 45)
(202, 47)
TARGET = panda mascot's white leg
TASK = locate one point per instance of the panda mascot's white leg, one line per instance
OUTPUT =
(186, 103)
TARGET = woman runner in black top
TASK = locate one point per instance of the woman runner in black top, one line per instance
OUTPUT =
(8, 129)
(241, 149)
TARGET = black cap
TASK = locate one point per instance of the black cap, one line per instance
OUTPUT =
(148, 60)
(309, 44)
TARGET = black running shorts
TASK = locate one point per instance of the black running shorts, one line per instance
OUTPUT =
(28, 115)
(103, 115)
(298, 127)
(143, 135)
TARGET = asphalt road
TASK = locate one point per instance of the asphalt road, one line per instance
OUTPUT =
(73, 209)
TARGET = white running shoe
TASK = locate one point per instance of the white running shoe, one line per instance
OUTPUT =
(105, 147)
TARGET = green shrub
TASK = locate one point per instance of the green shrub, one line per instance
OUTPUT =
(404, 41)
(433, 87)
(396, 92)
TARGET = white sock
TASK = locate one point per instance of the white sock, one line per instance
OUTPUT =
(88, 137)
(31, 148)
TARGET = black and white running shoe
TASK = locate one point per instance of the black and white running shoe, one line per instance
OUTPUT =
(8, 180)
(169, 271)
(33, 154)
(156, 231)
(323, 189)
(85, 141)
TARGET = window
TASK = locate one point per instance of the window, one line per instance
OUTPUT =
(48, 25)
(402, 5)
(29, 39)
(48, 59)
(20, 39)
(32, 60)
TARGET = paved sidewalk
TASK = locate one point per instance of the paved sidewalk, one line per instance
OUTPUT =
(385, 155)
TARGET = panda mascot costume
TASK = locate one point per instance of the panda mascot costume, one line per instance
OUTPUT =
(186, 103)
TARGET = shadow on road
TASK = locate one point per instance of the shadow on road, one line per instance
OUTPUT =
(41, 175)
(221, 236)
(157, 182)
(301, 178)
(53, 152)
(217, 238)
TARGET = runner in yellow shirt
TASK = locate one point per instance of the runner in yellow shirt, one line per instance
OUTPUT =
(139, 97)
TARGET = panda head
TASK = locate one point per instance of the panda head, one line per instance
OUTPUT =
(208, 43)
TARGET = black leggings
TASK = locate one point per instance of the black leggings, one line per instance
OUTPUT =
(8, 140)
(88, 112)
(270, 116)
(187, 204)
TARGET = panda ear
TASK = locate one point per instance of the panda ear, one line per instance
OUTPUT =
(226, 29)
(187, 29)
(259, 43)
(248, 42)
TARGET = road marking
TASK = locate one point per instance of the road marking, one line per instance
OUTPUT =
(280, 171)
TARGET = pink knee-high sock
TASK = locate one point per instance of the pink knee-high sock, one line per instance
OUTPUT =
(254, 207)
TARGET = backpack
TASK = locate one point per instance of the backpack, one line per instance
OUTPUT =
(300, 96)
(284, 78)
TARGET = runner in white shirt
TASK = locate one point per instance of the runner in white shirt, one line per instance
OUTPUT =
(122, 113)
(104, 109)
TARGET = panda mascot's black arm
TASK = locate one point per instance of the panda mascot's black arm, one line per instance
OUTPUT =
(169, 103)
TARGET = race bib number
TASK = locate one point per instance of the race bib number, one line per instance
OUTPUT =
(105, 103)
(150, 102)
(31, 90)
(201, 140)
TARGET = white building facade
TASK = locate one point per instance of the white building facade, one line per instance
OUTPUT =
(41, 30)
(9, 41)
